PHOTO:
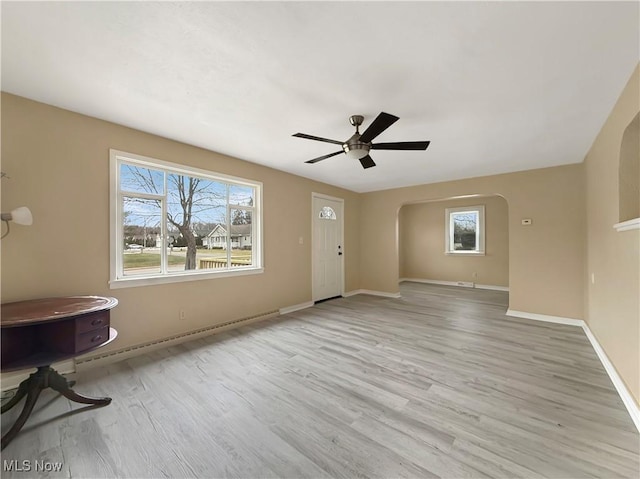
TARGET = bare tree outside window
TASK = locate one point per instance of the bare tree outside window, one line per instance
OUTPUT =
(464, 230)
(190, 200)
(171, 222)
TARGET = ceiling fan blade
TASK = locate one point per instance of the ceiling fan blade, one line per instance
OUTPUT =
(320, 158)
(381, 123)
(317, 138)
(367, 162)
(401, 145)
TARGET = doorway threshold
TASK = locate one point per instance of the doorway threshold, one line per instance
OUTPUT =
(327, 299)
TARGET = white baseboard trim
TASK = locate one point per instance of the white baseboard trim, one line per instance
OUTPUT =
(372, 293)
(12, 380)
(346, 294)
(628, 225)
(623, 392)
(296, 307)
(625, 395)
(83, 363)
(545, 317)
(455, 283)
(429, 281)
(492, 287)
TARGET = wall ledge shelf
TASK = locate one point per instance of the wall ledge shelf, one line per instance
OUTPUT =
(633, 224)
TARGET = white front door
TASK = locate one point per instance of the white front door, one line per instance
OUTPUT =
(327, 247)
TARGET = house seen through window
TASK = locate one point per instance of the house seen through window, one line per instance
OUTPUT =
(171, 221)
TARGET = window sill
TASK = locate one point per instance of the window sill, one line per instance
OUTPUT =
(132, 282)
(464, 253)
(633, 224)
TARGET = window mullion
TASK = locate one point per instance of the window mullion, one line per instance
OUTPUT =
(228, 226)
(452, 233)
(163, 230)
(478, 226)
(120, 235)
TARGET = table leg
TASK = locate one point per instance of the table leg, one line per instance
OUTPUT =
(45, 377)
(32, 397)
(60, 384)
(20, 393)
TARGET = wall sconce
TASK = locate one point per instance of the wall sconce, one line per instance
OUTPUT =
(20, 216)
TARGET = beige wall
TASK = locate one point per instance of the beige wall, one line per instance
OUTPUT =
(546, 259)
(58, 162)
(613, 307)
(422, 243)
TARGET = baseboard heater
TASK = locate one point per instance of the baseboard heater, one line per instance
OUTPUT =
(176, 339)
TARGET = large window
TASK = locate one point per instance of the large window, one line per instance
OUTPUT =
(174, 223)
(464, 230)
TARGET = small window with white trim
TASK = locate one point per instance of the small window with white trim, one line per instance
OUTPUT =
(171, 223)
(464, 230)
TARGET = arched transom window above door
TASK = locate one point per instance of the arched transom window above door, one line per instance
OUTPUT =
(327, 213)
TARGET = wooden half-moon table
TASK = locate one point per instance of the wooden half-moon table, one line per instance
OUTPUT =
(40, 332)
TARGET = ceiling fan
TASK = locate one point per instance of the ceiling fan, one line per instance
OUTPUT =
(358, 146)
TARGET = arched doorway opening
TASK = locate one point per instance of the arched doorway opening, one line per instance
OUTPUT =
(436, 247)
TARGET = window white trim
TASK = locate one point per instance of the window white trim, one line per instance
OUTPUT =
(131, 282)
(480, 231)
(117, 279)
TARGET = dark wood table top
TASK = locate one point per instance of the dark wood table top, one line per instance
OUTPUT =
(38, 359)
(22, 313)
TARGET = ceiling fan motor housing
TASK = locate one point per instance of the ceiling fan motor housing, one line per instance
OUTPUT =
(354, 148)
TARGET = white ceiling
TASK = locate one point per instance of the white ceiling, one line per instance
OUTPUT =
(495, 86)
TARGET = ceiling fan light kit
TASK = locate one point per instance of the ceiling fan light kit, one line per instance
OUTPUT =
(358, 146)
(353, 147)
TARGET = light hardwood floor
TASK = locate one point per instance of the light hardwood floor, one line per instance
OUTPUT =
(439, 383)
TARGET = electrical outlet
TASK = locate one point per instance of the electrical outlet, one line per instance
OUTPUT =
(182, 315)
